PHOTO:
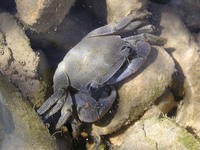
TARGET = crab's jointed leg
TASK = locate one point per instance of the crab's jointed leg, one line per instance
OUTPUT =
(128, 23)
(51, 101)
(61, 83)
(57, 106)
(75, 124)
(150, 38)
(66, 112)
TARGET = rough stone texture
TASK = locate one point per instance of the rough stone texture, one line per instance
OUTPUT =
(66, 35)
(118, 137)
(153, 133)
(20, 126)
(138, 92)
(109, 11)
(19, 63)
(117, 10)
(40, 15)
(189, 10)
(186, 53)
(166, 102)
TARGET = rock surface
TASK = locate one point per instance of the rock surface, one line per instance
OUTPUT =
(112, 11)
(20, 126)
(58, 41)
(138, 92)
(19, 63)
(186, 53)
(154, 133)
(166, 102)
(189, 10)
(40, 15)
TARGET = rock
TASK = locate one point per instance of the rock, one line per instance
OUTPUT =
(158, 133)
(112, 11)
(152, 131)
(186, 53)
(19, 63)
(40, 15)
(57, 42)
(139, 91)
(189, 10)
(117, 138)
(20, 126)
(166, 102)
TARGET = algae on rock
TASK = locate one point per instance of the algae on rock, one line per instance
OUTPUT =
(20, 126)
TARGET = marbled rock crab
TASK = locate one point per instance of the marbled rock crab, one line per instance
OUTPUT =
(101, 59)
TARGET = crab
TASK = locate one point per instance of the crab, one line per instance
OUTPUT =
(101, 59)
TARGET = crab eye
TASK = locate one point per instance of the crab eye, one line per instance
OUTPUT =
(88, 86)
(92, 87)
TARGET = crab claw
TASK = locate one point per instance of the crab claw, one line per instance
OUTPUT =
(143, 50)
(90, 110)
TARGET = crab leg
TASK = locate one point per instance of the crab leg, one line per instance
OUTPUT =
(57, 107)
(152, 39)
(50, 101)
(128, 23)
(61, 83)
(75, 124)
(129, 19)
(146, 29)
(90, 110)
(66, 112)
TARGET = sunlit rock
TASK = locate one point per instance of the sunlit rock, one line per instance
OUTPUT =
(19, 63)
(40, 15)
(110, 11)
(186, 53)
(158, 133)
